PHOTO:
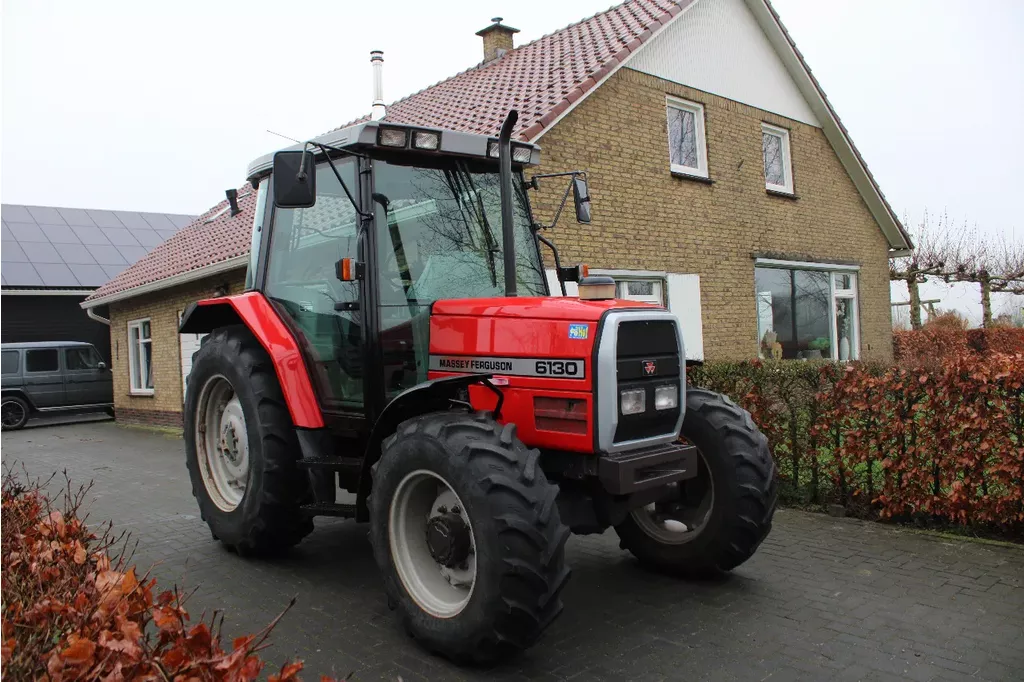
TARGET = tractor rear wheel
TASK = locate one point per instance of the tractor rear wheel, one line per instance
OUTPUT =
(465, 528)
(715, 521)
(240, 446)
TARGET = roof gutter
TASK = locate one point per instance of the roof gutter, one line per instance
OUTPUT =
(168, 282)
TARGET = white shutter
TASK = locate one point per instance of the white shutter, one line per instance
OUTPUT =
(188, 344)
(684, 302)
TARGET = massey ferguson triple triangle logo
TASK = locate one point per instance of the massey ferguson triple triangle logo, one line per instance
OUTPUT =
(650, 368)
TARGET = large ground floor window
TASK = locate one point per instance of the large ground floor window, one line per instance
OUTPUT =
(807, 311)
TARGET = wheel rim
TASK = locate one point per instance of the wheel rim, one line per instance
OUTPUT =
(12, 413)
(683, 513)
(223, 443)
(420, 500)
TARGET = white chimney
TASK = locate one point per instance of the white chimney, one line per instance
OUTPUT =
(378, 110)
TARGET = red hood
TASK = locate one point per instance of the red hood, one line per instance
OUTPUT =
(543, 308)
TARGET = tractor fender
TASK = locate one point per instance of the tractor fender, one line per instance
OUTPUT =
(253, 310)
(430, 396)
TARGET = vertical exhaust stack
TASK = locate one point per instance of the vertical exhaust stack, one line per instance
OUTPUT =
(508, 235)
(378, 110)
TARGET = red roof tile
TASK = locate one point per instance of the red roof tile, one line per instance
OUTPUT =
(213, 237)
(541, 80)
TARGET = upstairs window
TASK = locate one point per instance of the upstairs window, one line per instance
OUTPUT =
(686, 143)
(778, 166)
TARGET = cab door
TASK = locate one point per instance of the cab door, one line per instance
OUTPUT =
(44, 381)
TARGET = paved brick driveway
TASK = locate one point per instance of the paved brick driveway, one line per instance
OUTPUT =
(822, 599)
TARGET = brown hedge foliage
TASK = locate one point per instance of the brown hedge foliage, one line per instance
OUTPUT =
(73, 609)
(942, 442)
(934, 343)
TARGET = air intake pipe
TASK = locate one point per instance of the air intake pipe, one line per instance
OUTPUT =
(508, 235)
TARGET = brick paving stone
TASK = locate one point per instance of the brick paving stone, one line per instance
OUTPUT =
(823, 598)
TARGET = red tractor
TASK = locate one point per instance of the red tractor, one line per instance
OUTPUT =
(396, 360)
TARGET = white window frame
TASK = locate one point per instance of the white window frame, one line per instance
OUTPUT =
(835, 270)
(697, 109)
(657, 296)
(135, 355)
(787, 158)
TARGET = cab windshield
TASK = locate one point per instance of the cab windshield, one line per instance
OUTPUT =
(439, 234)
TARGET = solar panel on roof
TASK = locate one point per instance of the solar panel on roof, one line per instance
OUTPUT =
(21, 275)
(131, 220)
(90, 235)
(76, 216)
(89, 275)
(74, 253)
(56, 275)
(27, 232)
(12, 253)
(148, 238)
(104, 218)
(166, 234)
(45, 215)
(120, 237)
(106, 255)
(60, 234)
(158, 221)
(15, 213)
(41, 252)
(132, 253)
(114, 270)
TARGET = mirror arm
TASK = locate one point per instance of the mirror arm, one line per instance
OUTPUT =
(532, 184)
(364, 216)
(554, 250)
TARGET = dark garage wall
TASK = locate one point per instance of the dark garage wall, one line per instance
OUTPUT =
(51, 318)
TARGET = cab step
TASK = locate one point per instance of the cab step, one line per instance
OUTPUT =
(345, 511)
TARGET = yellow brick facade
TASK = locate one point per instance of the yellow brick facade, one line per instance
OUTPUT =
(644, 218)
(162, 309)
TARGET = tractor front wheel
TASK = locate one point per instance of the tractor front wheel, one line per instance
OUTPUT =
(240, 446)
(716, 520)
(466, 532)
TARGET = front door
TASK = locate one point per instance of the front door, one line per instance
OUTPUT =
(87, 382)
(44, 382)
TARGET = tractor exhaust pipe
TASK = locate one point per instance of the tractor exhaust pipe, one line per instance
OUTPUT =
(508, 236)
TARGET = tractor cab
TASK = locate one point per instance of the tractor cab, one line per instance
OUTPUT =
(397, 358)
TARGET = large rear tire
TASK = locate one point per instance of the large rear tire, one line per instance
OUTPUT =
(483, 582)
(240, 446)
(716, 521)
(14, 412)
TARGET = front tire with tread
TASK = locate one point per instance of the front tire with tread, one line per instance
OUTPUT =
(519, 537)
(268, 519)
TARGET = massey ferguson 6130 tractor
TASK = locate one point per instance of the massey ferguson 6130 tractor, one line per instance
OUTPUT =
(397, 358)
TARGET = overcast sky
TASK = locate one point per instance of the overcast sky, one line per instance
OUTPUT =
(159, 106)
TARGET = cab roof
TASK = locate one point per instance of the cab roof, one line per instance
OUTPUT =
(365, 136)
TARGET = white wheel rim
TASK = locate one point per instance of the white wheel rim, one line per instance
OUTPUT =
(440, 591)
(222, 443)
(13, 413)
(664, 528)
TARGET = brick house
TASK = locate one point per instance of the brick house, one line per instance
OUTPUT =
(723, 184)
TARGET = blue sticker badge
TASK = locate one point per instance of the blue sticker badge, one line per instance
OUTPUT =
(579, 331)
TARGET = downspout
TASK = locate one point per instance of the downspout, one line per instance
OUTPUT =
(92, 315)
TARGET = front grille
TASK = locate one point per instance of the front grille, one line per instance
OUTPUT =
(647, 356)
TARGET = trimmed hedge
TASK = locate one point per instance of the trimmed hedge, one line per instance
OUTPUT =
(941, 443)
(930, 345)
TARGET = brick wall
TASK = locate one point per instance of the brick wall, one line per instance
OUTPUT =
(163, 408)
(646, 219)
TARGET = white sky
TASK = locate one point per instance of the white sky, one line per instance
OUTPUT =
(159, 106)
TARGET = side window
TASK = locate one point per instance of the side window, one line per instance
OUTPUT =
(44, 360)
(778, 165)
(140, 357)
(647, 290)
(9, 361)
(304, 248)
(687, 147)
(81, 358)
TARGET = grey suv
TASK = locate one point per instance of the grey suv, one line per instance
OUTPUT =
(52, 376)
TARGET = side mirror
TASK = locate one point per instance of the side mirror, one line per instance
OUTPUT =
(294, 180)
(581, 197)
(101, 365)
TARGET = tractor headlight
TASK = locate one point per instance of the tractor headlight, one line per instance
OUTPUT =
(666, 397)
(426, 139)
(392, 137)
(633, 401)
